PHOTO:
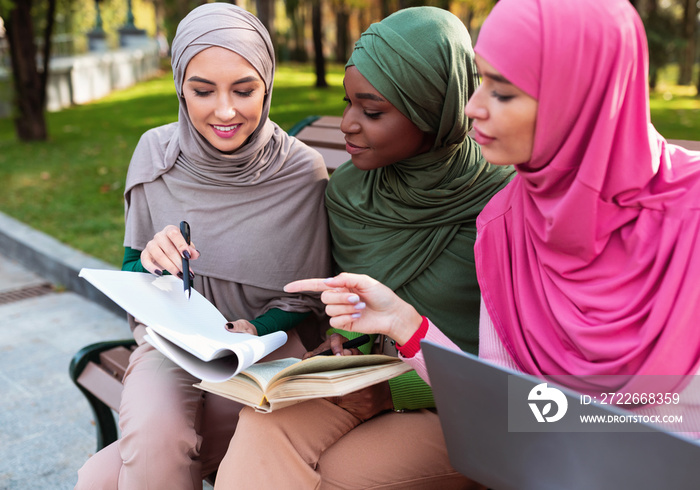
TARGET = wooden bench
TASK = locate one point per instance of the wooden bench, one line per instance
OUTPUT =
(323, 134)
(98, 369)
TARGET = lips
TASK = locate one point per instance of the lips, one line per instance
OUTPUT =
(353, 149)
(481, 138)
(225, 131)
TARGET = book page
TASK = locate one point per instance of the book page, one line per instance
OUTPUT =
(318, 364)
(333, 383)
(263, 372)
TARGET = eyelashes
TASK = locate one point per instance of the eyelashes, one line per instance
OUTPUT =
(371, 115)
(501, 97)
(205, 93)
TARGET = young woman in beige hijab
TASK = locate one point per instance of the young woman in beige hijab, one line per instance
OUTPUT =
(253, 197)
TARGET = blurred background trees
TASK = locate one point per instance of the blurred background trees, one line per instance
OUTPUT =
(302, 30)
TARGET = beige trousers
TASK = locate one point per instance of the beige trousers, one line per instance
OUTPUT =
(317, 444)
(172, 434)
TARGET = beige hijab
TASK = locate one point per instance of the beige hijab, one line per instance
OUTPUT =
(256, 215)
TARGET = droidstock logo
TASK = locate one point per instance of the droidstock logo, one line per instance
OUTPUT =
(543, 393)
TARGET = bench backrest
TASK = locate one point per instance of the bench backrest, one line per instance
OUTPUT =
(324, 135)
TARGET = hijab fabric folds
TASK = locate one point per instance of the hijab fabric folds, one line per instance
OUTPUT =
(589, 259)
(411, 225)
(256, 214)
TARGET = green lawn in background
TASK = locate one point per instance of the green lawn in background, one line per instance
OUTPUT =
(71, 187)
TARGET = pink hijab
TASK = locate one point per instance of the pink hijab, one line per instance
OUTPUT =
(589, 260)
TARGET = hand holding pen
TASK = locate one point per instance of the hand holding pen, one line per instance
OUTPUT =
(165, 252)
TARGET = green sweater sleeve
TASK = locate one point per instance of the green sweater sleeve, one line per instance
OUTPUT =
(132, 260)
(408, 391)
(274, 320)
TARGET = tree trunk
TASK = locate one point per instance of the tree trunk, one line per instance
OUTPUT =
(266, 14)
(29, 84)
(687, 58)
(342, 37)
(319, 61)
(385, 8)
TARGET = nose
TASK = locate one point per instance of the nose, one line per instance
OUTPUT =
(475, 108)
(349, 124)
(225, 110)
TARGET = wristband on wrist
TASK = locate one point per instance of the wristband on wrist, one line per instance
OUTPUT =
(411, 348)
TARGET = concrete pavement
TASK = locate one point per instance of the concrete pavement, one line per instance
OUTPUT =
(46, 426)
(47, 313)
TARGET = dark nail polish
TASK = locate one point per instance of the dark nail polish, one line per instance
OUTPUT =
(191, 275)
(186, 254)
(158, 272)
(179, 274)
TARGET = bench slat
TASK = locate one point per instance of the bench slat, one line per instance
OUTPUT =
(115, 361)
(691, 145)
(333, 158)
(324, 137)
(328, 122)
(102, 384)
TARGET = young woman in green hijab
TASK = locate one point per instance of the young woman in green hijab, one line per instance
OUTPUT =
(404, 212)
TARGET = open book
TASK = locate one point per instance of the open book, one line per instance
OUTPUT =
(190, 332)
(272, 385)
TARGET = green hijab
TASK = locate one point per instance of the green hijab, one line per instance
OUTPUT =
(412, 224)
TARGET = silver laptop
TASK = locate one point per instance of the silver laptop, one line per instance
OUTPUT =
(493, 444)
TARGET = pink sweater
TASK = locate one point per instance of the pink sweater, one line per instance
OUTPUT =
(490, 346)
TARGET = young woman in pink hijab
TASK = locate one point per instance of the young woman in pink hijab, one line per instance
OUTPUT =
(588, 261)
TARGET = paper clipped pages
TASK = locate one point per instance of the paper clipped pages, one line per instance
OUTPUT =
(190, 332)
(272, 385)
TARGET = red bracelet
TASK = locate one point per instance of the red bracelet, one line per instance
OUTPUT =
(411, 348)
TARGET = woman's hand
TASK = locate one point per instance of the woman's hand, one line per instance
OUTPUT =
(368, 402)
(165, 252)
(358, 303)
(335, 344)
(242, 326)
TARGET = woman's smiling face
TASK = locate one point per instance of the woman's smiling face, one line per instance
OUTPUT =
(377, 134)
(224, 95)
(504, 118)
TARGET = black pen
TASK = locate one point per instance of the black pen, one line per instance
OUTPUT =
(356, 342)
(185, 230)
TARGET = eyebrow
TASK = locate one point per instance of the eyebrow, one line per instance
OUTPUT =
(247, 79)
(368, 96)
(496, 78)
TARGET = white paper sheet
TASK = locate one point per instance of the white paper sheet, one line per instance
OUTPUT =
(178, 326)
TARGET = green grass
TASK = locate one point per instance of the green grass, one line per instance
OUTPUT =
(71, 187)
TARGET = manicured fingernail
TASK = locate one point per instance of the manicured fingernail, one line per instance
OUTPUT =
(191, 275)
(158, 272)
(186, 254)
(179, 274)
(229, 326)
(353, 298)
(356, 315)
(360, 306)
